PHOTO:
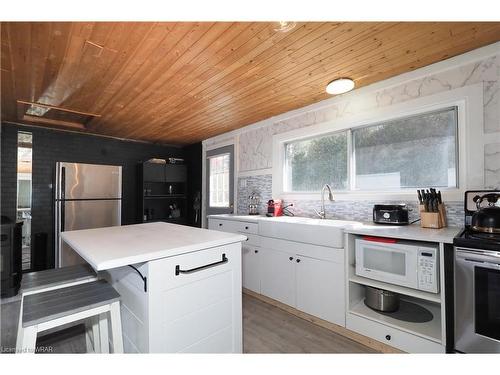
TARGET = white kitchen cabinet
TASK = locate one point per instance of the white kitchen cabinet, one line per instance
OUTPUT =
(278, 275)
(251, 268)
(320, 289)
(309, 277)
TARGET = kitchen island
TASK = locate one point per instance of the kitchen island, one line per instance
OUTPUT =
(180, 286)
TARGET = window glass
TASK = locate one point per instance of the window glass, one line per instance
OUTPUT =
(219, 180)
(413, 152)
(311, 163)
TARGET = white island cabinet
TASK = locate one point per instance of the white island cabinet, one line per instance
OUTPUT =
(180, 286)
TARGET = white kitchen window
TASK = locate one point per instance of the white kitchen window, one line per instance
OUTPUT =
(219, 180)
(405, 153)
(433, 141)
(313, 162)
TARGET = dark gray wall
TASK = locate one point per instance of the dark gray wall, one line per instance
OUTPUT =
(193, 160)
(50, 146)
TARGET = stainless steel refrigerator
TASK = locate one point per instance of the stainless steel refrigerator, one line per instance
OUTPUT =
(87, 196)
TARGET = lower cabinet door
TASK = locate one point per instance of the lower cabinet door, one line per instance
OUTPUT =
(251, 268)
(321, 289)
(278, 275)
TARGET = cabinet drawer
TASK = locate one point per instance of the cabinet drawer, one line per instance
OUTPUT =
(391, 336)
(223, 225)
(252, 239)
(313, 251)
(245, 227)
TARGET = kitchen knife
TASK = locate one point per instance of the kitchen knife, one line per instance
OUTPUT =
(420, 197)
(440, 199)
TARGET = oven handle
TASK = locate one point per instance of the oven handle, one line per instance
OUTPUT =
(477, 257)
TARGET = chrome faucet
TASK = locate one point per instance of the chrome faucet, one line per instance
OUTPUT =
(322, 213)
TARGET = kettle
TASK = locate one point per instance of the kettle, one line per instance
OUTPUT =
(486, 219)
(253, 204)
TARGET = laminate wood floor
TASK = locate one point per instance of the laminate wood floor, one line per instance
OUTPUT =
(266, 329)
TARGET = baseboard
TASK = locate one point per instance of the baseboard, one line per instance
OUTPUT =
(367, 341)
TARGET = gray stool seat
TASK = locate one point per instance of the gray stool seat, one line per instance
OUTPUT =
(33, 281)
(43, 307)
(94, 300)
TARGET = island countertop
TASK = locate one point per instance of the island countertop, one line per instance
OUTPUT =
(112, 247)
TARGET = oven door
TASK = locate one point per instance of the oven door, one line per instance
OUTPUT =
(477, 301)
(390, 263)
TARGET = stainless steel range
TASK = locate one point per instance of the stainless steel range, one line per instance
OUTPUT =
(477, 280)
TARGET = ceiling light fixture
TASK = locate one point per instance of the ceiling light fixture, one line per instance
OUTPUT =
(285, 26)
(340, 86)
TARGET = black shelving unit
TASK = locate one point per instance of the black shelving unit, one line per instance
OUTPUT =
(162, 193)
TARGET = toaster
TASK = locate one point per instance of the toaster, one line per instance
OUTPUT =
(396, 214)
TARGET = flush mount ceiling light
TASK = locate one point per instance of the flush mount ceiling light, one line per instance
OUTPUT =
(340, 86)
(285, 26)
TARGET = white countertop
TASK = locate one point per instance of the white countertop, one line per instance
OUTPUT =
(407, 232)
(111, 247)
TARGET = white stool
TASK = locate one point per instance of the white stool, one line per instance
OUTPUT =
(47, 310)
(43, 281)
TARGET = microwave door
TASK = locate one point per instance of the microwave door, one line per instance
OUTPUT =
(387, 263)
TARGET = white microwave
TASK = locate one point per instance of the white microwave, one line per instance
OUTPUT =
(411, 265)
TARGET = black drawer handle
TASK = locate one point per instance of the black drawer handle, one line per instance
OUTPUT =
(388, 337)
(291, 258)
(256, 251)
(298, 260)
(246, 228)
(201, 268)
(220, 224)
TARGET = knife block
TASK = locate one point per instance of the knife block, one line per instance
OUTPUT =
(434, 220)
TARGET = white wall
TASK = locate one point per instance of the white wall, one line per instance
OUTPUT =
(481, 66)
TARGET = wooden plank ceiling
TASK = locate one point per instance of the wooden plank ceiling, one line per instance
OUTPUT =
(184, 82)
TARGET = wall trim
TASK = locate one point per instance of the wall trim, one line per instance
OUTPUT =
(13, 123)
(255, 172)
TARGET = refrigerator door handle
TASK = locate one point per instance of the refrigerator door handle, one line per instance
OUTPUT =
(63, 196)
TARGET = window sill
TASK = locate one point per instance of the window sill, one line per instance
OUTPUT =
(448, 195)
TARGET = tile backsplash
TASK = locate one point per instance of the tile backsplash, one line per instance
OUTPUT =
(343, 210)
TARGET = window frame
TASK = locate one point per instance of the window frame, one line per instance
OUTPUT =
(228, 154)
(470, 159)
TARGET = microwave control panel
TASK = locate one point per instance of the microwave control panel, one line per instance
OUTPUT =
(428, 270)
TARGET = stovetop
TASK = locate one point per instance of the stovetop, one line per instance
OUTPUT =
(473, 239)
(476, 240)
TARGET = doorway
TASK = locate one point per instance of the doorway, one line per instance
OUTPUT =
(220, 180)
(24, 192)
